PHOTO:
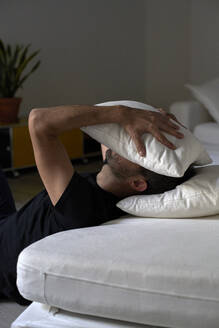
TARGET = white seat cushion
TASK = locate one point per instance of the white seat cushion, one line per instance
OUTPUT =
(151, 271)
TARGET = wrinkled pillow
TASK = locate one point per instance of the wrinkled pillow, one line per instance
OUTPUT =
(198, 196)
(159, 158)
(208, 95)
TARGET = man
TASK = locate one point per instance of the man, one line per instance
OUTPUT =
(71, 201)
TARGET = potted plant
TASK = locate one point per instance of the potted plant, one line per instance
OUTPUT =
(13, 62)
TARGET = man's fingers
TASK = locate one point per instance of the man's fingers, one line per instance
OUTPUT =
(172, 125)
(154, 123)
(165, 141)
(167, 119)
(139, 144)
(162, 111)
(162, 139)
(171, 116)
(172, 131)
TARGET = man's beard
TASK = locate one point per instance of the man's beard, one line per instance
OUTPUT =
(108, 156)
(113, 162)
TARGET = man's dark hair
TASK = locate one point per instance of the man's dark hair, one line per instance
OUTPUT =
(158, 183)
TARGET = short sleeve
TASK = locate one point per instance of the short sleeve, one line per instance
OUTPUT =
(79, 205)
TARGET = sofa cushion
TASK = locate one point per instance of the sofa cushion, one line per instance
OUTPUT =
(207, 94)
(207, 132)
(151, 271)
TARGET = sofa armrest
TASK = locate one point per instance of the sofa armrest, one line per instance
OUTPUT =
(190, 113)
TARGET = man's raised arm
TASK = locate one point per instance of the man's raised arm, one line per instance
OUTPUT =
(46, 124)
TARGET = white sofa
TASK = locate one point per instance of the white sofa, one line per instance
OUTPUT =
(191, 113)
(130, 272)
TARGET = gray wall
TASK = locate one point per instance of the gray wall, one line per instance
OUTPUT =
(204, 42)
(167, 51)
(91, 51)
(182, 45)
(99, 50)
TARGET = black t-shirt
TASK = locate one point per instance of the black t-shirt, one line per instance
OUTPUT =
(83, 204)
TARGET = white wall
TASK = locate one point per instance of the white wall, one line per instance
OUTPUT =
(204, 42)
(91, 51)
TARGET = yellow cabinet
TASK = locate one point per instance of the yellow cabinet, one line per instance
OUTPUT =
(21, 147)
(16, 148)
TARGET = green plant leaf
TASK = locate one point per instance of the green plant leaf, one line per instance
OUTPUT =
(9, 51)
(28, 74)
(24, 64)
(2, 50)
(15, 56)
(23, 54)
(13, 61)
(1, 58)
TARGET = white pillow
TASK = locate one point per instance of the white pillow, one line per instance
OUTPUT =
(198, 196)
(207, 94)
(159, 158)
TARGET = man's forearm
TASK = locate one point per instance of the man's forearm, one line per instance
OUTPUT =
(51, 122)
(55, 120)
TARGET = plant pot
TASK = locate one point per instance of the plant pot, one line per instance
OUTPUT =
(9, 108)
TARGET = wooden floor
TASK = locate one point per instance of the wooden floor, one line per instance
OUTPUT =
(24, 187)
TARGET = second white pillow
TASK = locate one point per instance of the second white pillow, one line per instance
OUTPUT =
(198, 196)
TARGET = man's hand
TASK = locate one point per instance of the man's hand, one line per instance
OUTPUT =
(137, 122)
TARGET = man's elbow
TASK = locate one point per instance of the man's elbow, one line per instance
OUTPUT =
(37, 122)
